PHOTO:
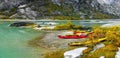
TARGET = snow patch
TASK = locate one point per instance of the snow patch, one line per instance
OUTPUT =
(74, 53)
(117, 53)
(102, 57)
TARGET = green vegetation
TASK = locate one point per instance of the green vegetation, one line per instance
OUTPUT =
(109, 36)
(57, 53)
(52, 7)
(47, 9)
(66, 18)
(108, 51)
(54, 54)
(68, 25)
(6, 15)
(99, 15)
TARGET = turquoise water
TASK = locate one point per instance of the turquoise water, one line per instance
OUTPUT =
(87, 23)
(13, 42)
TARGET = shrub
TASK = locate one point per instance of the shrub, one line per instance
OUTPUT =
(108, 51)
(54, 54)
(68, 25)
(99, 15)
(97, 33)
(112, 42)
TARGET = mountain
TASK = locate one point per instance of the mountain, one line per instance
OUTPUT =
(59, 9)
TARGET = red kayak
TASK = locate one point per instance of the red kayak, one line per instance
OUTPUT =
(72, 36)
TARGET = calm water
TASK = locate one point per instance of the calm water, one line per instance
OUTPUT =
(13, 42)
(86, 23)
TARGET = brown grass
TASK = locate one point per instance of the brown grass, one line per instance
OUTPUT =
(108, 51)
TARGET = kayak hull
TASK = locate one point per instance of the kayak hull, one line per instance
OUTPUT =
(72, 37)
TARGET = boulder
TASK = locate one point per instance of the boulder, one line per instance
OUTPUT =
(24, 13)
(21, 24)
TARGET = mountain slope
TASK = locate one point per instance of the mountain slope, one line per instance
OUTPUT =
(55, 9)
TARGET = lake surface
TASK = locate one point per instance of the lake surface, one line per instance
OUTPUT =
(14, 42)
(87, 23)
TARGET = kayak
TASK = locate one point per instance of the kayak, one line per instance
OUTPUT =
(72, 36)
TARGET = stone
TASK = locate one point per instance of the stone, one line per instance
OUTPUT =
(20, 24)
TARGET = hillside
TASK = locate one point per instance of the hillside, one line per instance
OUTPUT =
(58, 9)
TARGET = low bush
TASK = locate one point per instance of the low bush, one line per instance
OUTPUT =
(112, 42)
(68, 25)
(54, 54)
(109, 51)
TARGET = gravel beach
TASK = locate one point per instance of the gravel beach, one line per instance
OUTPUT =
(51, 41)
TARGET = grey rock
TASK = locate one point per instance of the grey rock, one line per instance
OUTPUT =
(22, 11)
(25, 13)
(18, 16)
(30, 13)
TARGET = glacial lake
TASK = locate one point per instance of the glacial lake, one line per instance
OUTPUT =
(14, 41)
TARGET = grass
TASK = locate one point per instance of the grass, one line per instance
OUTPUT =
(54, 54)
(58, 53)
(108, 51)
(111, 41)
(66, 26)
(66, 18)
(99, 15)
